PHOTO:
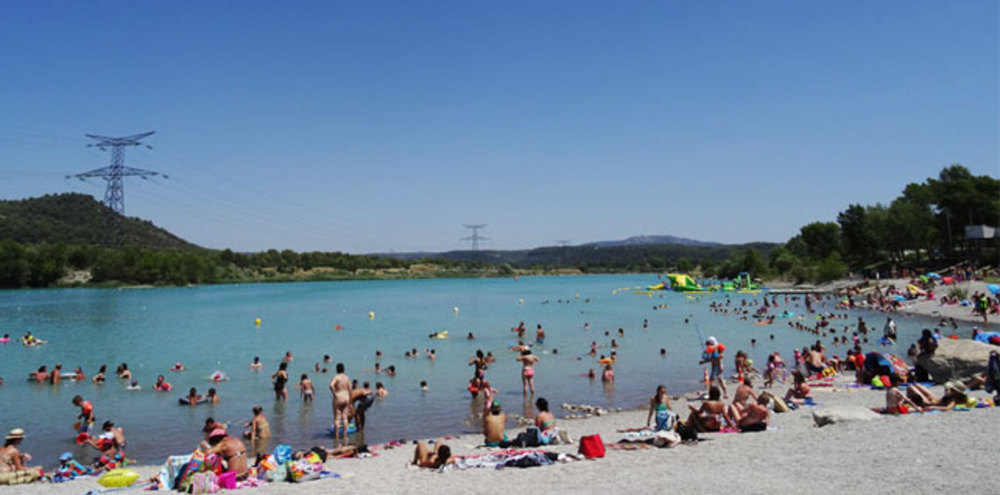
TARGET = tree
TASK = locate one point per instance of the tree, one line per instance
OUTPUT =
(821, 239)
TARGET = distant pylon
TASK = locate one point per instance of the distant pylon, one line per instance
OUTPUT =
(114, 195)
(475, 237)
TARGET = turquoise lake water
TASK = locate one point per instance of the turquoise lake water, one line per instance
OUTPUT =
(211, 328)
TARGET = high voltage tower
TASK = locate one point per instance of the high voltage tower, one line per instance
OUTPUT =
(114, 195)
(475, 237)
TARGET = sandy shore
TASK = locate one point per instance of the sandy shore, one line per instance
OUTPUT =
(950, 451)
(935, 309)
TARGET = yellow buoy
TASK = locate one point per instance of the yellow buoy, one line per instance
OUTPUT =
(371, 315)
(256, 321)
(455, 309)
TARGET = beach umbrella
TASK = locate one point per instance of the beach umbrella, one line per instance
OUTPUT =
(934, 275)
(986, 337)
(924, 279)
(899, 298)
(994, 288)
(947, 280)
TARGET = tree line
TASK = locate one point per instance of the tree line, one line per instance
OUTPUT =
(924, 226)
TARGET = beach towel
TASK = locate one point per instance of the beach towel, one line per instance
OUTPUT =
(171, 469)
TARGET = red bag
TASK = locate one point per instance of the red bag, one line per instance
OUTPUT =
(591, 446)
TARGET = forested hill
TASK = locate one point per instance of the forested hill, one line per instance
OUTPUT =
(78, 219)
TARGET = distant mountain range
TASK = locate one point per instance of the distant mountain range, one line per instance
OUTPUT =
(79, 219)
(642, 240)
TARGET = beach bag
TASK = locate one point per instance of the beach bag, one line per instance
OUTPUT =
(279, 473)
(204, 483)
(308, 468)
(529, 438)
(227, 480)
(282, 453)
(591, 446)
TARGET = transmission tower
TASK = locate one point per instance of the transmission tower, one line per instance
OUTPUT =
(114, 195)
(475, 237)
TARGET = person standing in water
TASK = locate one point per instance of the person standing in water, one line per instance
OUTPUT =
(306, 389)
(259, 432)
(280, 378)
(528, 360)
(340, 385)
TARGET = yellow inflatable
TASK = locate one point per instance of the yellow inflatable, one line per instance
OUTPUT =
(441, 335)
(118, 478)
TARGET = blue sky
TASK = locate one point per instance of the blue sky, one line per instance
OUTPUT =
(386, 126)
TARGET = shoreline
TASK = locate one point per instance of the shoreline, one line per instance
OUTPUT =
(869, 455)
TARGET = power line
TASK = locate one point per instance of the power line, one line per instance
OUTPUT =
(114, 194)
(475, 237)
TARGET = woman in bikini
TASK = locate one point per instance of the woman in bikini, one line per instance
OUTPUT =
(545, 421)
(711, 416)
(659, 405)
(259, 432)
(528, 371)
(233, 452)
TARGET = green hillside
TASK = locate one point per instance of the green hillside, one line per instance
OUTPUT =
(78, 219)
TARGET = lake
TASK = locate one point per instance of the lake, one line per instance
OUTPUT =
(211, 328)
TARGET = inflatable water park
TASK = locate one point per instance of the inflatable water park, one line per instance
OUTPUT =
(680, 282)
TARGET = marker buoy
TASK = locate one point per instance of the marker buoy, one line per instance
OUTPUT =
(371, 315)
(256, 321)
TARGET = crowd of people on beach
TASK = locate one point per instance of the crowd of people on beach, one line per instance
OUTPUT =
(709, 411)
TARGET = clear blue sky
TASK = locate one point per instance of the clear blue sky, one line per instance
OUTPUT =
(385, 126)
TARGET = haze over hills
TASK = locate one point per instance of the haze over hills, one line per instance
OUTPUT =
(640, 240)
(79, 219)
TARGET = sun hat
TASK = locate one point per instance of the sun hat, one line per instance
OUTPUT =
(218, 432)
(15, 434)
(956, 386)
(712, 341)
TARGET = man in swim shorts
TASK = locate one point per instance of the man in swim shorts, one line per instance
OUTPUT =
(341, 388)
(494, 424)
(363, 398)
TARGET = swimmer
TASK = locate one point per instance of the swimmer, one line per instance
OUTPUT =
(256, 365)
(193, 397)
(134, 386)
(287, 358)
(99, 377)
(177, 367)
(161, 384)
(423, 386)
(212, 397)
(380, 390)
